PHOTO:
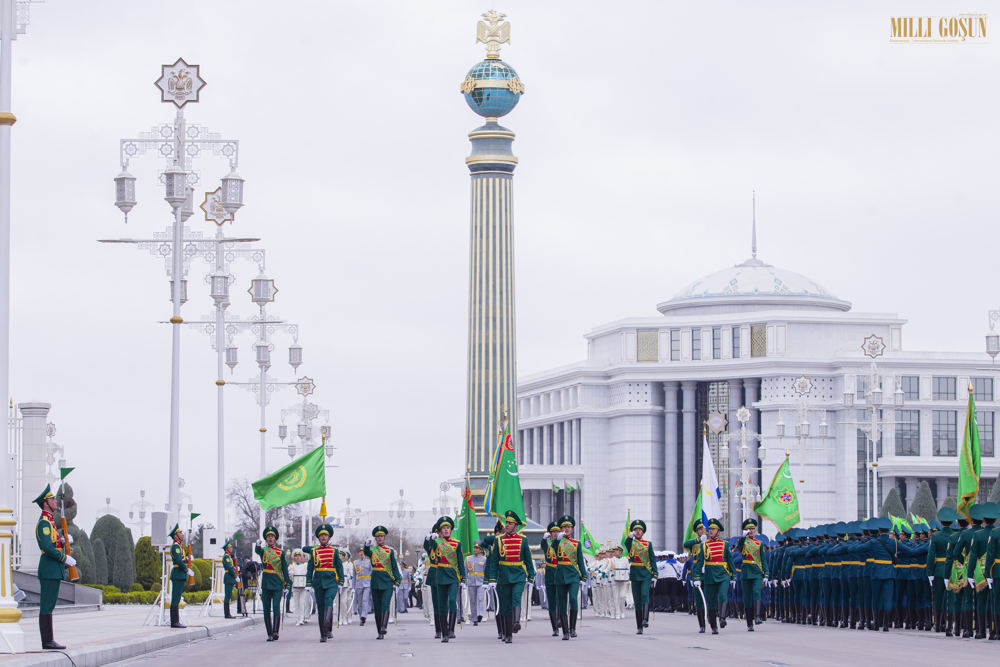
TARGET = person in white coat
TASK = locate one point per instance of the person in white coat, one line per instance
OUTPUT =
(301, 600)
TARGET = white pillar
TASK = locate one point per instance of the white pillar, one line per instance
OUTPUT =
(735, 493)
(33, 479)
(751, 387)
(671, 464)
(911, 490)
(688, 409)
(942, 491)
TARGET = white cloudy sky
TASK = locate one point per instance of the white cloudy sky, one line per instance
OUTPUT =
(643, 131)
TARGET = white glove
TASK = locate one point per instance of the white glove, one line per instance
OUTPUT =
(190, 573)
(930, 580)
(989, 582)
(947, 583)
(464, 586)
(70, 538)
(745, 533)
(70, 561)
(368, 542)
(434, 536)
(490, 586)
(260, 543)
(430, 536)
(702, 538)
(697, 583)
(972, 582)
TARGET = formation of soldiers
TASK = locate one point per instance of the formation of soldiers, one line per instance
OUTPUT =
(609, 581)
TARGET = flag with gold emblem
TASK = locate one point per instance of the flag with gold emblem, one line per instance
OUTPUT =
(302, 479)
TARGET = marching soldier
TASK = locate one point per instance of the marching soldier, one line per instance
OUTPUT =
(992, 571)
(362, 585)
(385, 576)
(475, 567)
(508, 568)
(51, 565)
(550, 575)
(642, 572)
(620, 576)
(488, 544)
(450, 573)
(179, 574)
(694, 547)
(325, 573)
(570, 570)
(753, 573)
(959, 549)
(717, 568)
(274, 581)
(230, 576)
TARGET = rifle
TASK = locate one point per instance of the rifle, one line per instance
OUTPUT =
(187, 561)
(72, 573)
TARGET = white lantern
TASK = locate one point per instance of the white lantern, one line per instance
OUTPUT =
(328, 449)
(876, 395)
(291, 451)
(175, 185)
(824, 428)
(802, 429)
(897, 397)
(232, 192)
(263, 355)
(220, 288)
(325, 430)
(187, 208)
(282, 431)
(295, 356)
(992, 341)
(232, 357)
(779, 429)
(184, 291)
(262, 290)
(125, 192)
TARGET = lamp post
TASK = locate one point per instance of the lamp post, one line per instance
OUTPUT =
(802, 387)
(179, 143)
(302, 440)
(992, 337)
(749, 489)
(401, 509)
(351, 518)
(875, 425)
(137, 512)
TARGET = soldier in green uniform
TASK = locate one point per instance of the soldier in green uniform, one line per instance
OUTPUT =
(385, 576)
(641, 572)
(959, 550)
(488, 544)
(274, 581)
(937, 553)
(229, 578)
(508, 567)
(550, 575)
(179, 574)
(570, 571)
(754, 572)
(717, 569)
(325, 574)
(693, 547)
(992, 570)
(975, 567)
(447, 552)
(51, 565)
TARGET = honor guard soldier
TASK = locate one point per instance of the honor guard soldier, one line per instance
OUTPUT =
(230, 576)
(508, 568)
(488, 544)
(959, 547)
(694, 547)
(992, 569)
(179, 574)
(362, 585)
(475, 567)
(551, 560)
(570, 570)
(385, 576)
(273, 582)
(717, 569)
(754, 572)
(51, 565)
(450, 572)
(642, 572)
(325, 574)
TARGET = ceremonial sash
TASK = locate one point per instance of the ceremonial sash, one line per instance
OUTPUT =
(567, 553)
(551, 558)
(638, 554)
(447, 554)
(272, 560)
(978, 573)
(381, 559)
(52, 532)
(751, 550)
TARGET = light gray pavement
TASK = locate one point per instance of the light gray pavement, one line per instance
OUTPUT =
(671, 639)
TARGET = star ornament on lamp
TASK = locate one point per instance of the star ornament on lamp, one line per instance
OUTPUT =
(180, 83)
(213, 208)
(873, 346)
(305, 386)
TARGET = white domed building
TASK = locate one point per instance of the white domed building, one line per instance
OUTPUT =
(623, 429)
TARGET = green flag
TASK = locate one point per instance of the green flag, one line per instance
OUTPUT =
(587, 541)
(302, 479)
(468, 531)
(628, 520)
(781, 503)
(696, 514)
(194, 515)
(65, 471)
(569, 487)
(968, 461)
(555, 487)
(503, 490)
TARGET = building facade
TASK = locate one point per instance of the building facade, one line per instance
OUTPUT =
(623, 429)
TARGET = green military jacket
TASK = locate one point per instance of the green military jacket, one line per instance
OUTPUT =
(179, 570)
(323, 578)
(642, 564)
(694, 549)
(229, 578)
(937, 553)
(448, 558)
(385, 570)
(754, 560)
(571, 567)
(712, 572)
(275, 575)
(513, 566)
(959, 550)
(51, 563)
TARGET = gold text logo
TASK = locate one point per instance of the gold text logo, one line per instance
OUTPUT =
(961, 28)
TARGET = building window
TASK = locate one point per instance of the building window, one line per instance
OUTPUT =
(647, 346)
(675, 345)
(907, 433)
(696, 344)
(985, 422)
(982, 389)
(862, 385)
(736, 342)
(944, 389)
(910, 384)
(758, 340)
(716, 342)
(945, 432)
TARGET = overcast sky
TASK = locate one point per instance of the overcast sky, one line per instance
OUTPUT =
(643, 131)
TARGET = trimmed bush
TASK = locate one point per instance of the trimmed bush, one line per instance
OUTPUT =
(100, 562)
(203, 568)
(147, 563)
(950, 502)
(893, 505)
(156, 587)
(995, 491)
(922, 502)
(136, 588)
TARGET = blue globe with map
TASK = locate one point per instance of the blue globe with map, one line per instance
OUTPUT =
(496, 89)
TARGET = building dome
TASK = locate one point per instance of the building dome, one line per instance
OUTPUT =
(491, 88)
(753, 285)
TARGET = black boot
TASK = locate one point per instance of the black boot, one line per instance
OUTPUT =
(701, 621)
(321, 622)
(638, 621)
(327, 623)
(948, 623)
(270, 630)
(885, 621)
(362, 622)
(437, 626)
(445, 634)
(758, 616)
(500, 626)
(508, 625)
(645, 615)
(554, 619)
(175, 618)
(722, 614)
(452, 620)
(225, 608)
(564, 622)
(516, 615)
(967, 624)
(385, 623)
(572, 622)
(276, 625)
(45, 630)
(980, 626)
(711, 621)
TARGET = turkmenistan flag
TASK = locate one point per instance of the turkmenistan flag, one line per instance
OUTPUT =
(781, 503)
(696, 514)
(587, 541)
(968, 461)
(625, 531)
(503, 490)
(468, 531)
(302, 479)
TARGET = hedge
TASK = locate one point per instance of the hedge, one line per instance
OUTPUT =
(149, 597)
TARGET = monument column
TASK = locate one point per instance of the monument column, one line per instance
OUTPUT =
(672, 461)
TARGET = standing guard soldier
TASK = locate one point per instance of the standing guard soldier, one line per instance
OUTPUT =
(508, 568)
(475, 567)
(51, 565)
(717, 564)
(229, 578)
(325, 574)
(362, 585)
(179, 574)
(274, 581)
(959, 548)
(992, 569)
(642, 572)
(450, 573)
(385, 576)
(976, 567)
(570, 571)
(551, 560)
(754, 572)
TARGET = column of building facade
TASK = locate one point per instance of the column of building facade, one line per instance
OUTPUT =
(911, 489)
(751, 389)
(942, 490)
(671, 465)
(735, 508)
(688, 413)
